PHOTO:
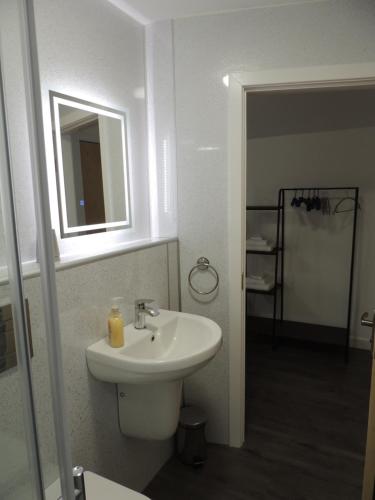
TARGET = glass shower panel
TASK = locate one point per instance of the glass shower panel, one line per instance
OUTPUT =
(16, 480)
(30, 460)
(19, 471)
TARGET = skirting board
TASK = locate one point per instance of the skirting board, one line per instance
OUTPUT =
(308, 331)
(360, 343)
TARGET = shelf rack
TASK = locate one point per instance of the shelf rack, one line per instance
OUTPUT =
(262, 207)
(264, 252)
(272, 291)
(276, 252)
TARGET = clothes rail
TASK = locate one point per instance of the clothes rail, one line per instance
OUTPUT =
(281, 243)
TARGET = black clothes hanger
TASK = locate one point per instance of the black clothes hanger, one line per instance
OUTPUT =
(318, 201)
(309, 202)
(294, 200)
(315, 200)
(300, 200)
(337, 206)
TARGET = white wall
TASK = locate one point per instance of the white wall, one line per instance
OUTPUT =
(93, 51)
(111, 153)
(161, 128)
(206, 49)
(12, 64)
(96, 53)
(68, 148)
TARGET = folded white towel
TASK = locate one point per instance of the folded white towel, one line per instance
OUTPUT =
(264, 248)
(257, 277)
(259, 285)
(257, 243)
(257, 239)
(258, 282)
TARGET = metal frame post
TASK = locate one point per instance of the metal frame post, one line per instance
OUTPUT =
(352, 265)
(44, 234)
(274, 321)
(282, 259)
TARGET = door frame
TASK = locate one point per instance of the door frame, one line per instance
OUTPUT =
(308, 78)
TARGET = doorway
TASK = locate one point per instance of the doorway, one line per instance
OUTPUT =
(309, 178)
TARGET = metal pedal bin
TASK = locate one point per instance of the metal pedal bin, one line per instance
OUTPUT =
(191, 441)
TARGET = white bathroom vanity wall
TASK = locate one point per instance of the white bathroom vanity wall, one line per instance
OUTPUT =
(206, 49)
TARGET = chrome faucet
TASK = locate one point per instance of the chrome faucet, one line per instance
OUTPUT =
(141, 309)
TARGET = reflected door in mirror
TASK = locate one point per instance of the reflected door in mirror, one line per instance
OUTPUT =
(92, 182)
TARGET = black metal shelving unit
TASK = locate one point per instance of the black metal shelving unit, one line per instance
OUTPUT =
(263, 252)
(276, 252)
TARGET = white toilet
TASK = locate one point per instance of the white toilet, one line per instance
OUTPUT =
(99, 488)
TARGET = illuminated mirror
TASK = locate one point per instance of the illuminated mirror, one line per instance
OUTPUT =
(91, 166)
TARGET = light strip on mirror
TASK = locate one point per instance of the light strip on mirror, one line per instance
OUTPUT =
(125, 157)
(86, 107)
(57, 101)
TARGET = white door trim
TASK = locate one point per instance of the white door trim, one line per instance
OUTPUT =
(315, 77)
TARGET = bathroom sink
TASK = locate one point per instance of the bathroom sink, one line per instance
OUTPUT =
(150, 368)
(171, 347)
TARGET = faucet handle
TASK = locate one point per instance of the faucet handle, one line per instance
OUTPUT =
(140, 302)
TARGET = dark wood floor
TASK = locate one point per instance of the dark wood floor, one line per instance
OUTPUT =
(306, 418)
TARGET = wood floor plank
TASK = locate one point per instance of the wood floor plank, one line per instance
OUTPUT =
(306, 419)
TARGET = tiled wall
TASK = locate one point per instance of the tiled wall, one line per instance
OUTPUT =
(84, 294)
(206, 49)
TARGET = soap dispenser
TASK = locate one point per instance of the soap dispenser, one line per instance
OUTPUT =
(115, 327)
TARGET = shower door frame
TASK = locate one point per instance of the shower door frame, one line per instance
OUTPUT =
(47, 266)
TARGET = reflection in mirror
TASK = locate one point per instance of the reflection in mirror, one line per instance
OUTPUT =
(91, 162)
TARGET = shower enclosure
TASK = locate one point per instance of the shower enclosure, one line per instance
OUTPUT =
(31, 401)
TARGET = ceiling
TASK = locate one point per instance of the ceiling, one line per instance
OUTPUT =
(315, 111)
(148, 11)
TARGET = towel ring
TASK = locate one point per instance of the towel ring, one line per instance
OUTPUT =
(203, 264)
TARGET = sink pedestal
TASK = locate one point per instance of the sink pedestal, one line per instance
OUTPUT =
(149, 411)
(150, 367)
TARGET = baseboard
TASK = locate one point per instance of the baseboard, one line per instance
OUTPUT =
(360, 343)
(308, 332)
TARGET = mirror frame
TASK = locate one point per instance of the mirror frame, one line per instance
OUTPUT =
(55, 100)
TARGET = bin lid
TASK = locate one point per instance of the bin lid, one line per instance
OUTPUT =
(192, 417)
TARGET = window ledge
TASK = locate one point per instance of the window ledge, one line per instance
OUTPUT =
(32, 269)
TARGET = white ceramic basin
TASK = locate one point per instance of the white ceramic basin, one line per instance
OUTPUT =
(173, 346)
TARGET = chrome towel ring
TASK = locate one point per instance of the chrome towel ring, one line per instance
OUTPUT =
(203, 264)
